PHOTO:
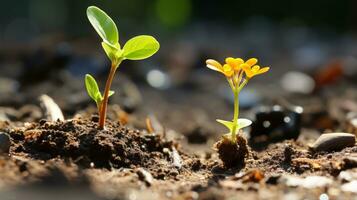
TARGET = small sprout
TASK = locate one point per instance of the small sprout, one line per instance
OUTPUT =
(93, 90)
(137, 48)
(238, 72)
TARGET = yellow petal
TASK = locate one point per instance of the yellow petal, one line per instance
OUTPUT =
(214, 65)
(255, 68)
(227, 67)
(239, 61)
(247, 70)
(230, 60)
(251, 61)
(263, 70)
(245, 66)
(233, 63)
(228, 70)
(249, 74)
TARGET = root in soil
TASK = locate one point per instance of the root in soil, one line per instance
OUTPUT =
(232, 154)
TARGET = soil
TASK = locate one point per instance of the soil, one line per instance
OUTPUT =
(232, 153)
(125, 163)
(163, 148)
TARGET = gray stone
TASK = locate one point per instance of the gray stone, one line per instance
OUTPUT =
(4, 142)
(145, 176)
(333, 142)
(297, 82)
(308, 182)
(350, 187)
(347, 176)
(51, 110)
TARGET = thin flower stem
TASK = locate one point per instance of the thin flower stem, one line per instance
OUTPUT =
(240, 76)
(236, 114)
(104, 103)
(231, 84)
(243, 84)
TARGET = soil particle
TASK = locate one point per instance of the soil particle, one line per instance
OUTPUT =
(232, 154)
(197, 136)
(288, 152)
(350, 162)
(4, 142)
(145, 176)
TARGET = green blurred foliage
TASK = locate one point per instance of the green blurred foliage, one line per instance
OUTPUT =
(173, 13)
(45, 16)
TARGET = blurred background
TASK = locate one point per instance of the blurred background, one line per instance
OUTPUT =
(46, 47)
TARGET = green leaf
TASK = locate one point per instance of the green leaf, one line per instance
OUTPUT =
(227, 124)
(140, 47)
(111, 92)
(104, 25)
(92, 88)
(112, 52)
(242, 123)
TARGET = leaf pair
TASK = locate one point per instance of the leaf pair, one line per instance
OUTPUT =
(93, 90)
(242, 123)
(137, 48)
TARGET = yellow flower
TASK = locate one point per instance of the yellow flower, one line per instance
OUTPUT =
(253, 71)
(233, 65)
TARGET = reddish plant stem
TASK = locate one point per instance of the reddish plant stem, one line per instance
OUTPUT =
(104, 103)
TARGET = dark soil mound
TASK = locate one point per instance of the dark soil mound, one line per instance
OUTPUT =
(80, 140)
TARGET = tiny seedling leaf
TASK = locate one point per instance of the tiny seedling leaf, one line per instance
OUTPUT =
(92, 88)
(113, 52)
(242, 123)
(104, 25)
(227, 124)
(140, 47)
(111, 92)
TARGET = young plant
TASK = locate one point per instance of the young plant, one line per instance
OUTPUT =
(238, 73)
(137, 48)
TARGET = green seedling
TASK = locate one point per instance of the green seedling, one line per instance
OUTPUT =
(137, 48)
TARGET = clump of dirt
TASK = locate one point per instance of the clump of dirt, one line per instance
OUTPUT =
(232, 154)
(81, 141)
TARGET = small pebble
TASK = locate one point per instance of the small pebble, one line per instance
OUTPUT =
(4, 142)
(350, 162)
(347, 176)
(308, 182)
(350, 187)
(145, 176)
(351, 126)
(51, 110)
(297, 82)
(324, 196)
(3, 117)
(176, 159)
(333, 142)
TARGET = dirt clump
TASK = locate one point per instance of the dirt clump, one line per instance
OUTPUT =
(81, 141)
(232, 154)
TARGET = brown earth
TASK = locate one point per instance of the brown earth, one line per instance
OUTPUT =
(124, 163)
